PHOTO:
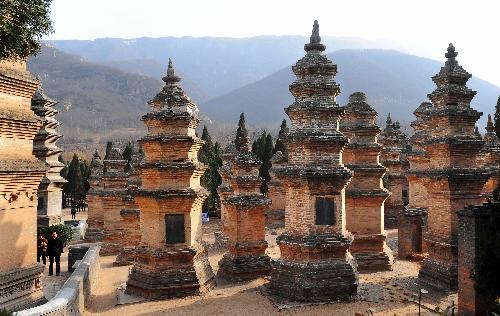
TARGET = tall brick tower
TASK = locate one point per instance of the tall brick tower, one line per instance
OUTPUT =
(365, 194)
(394, 159)
(20, 176)
(170, 261)
(244, 223)
(45, 149)
(315, 263)
(95, 220)
(455, 179)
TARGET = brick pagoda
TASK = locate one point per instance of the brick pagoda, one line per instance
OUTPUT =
(491, 158)
(130, 214)
(315, 263)
(95, 219)
(455, 177)
(413, 218)
(365, 194)
(275, 215)
(20, 176)
(45, 149)
(393, 157)
(244, 219)
(113, 189)
(171, 261)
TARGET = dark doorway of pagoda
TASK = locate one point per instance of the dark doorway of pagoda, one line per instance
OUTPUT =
(325, 211)
(174, 229)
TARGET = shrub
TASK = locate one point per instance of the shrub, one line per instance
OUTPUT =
(64, 232)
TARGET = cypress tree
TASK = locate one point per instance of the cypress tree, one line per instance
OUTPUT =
(241, 135)
(263, 148)
(127, 155)
(280, 146)
(497, 117)
(210, 154)
(74, 177)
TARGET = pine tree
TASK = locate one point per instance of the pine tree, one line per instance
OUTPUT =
(497, 117)
(280, 146)
(263, 148)
(127, 155)
(241, 135)
(74, 177)
(211, 155)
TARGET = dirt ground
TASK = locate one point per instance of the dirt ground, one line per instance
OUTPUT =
(385, 293)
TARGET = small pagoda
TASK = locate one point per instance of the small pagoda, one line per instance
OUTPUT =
(365, 194)
(412, 222)
(114, 188)
(455, 177)
(171, 261)
(315, 263)
(95, 219)
(244, 224)
(491, 158)
(275, 215)
(45, 148)
(393, 157)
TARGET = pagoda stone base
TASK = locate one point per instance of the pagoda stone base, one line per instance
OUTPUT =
(110, 249)
(94, 235)
(125, 257)
(325, 281)
(372, 253)
(443, 276)
(48, 220)
(164, 274)
(21, 288)
(243, 268)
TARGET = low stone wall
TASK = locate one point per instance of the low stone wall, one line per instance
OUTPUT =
(76, 291)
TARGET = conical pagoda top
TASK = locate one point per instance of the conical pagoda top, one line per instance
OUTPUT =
(388, 121)
(96, 155)
(315, 40)
(490, 127)
(40, 98)
(358, 103)
(492, 143)
(172, 97)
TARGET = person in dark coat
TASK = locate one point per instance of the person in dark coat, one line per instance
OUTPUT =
(73, 212)
(54, 249)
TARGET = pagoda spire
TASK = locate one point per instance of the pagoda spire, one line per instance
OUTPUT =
(388, 121)
(171, 77)
(315, 40)
(490, 127)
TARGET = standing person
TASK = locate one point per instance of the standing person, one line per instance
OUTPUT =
(54, 249)
(41, 249)
(73, 212)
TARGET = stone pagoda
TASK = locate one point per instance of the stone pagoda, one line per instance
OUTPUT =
(130, 214)
(393, 157)
(365, 194)
(171, 261)
(315, 263)
(455, 177)
(113, 189)
(275, 215)
(95, 220)
(244, 219)
(20, 176)
(224, 191)
(491, 158)
(45, 149)
(413, 218)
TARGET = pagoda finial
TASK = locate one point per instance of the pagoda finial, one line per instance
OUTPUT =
(171, 77)
(315, 40)
(490, 127)
(388, 121)
(451, 53)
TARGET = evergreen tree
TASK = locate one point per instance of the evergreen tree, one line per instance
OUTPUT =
(85, 172)
(74, 177)
(22, 25)
(127, 155)
(241, 134)
(211, 155)
(497, 118)
(280, 146)
(263, 148)
(109, 146)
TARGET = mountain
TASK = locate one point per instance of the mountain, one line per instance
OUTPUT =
(216, 65)
(394, 82)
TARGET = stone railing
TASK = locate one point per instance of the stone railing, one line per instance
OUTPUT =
(76, 291)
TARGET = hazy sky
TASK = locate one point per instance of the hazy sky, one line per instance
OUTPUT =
(422, 27)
